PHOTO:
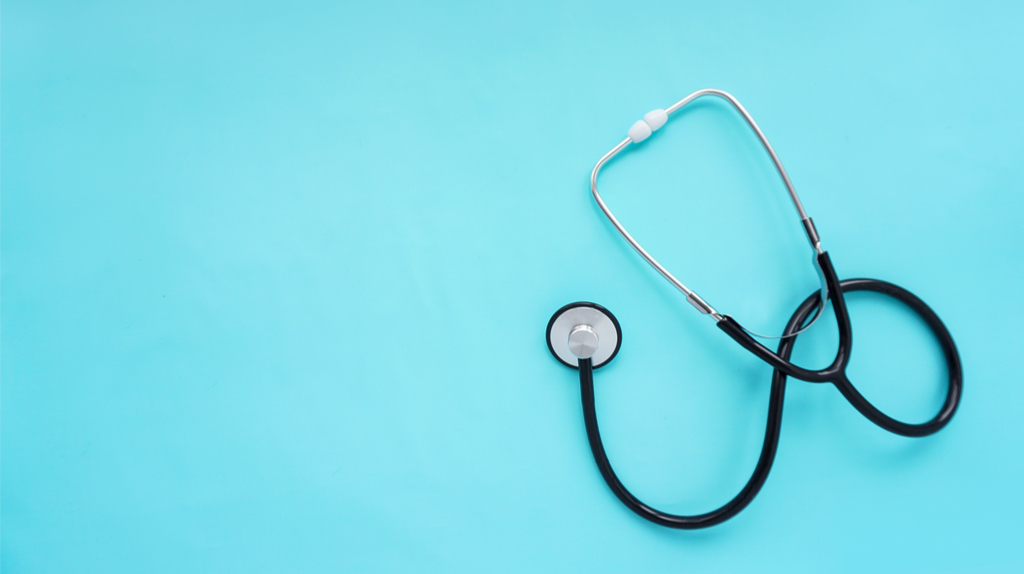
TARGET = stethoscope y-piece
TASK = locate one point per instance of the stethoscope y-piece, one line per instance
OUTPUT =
(587, 336)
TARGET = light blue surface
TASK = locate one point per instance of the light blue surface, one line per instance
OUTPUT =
(275, 283)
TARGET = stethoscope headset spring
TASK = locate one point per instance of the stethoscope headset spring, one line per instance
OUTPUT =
(586, 336)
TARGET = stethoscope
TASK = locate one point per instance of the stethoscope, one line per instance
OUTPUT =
(587, 336)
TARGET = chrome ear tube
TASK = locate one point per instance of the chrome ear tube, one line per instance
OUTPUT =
(637, 133)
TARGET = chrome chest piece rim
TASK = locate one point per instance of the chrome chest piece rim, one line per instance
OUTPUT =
(643, 129)
(584, 330)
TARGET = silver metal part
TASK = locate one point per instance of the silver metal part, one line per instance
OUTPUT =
(583, 341)
(692, 297)
(812, 235)
(625, 234)
(695, 300)
(571, 329)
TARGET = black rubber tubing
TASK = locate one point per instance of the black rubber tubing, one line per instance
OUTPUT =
(829, 373)
(775, 405)
(840, 380)
(725, 512)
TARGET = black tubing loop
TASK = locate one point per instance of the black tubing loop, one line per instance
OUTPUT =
(725, 512)
(844, 385)
(781, 363)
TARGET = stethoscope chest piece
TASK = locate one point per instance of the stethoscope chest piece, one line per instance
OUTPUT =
(584, 331)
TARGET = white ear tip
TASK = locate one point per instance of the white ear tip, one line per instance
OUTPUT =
(639, 132)
(655, 119)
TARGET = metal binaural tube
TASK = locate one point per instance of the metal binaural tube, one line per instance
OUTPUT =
(691, 296)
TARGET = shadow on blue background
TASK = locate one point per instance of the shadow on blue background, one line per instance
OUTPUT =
(275, 283)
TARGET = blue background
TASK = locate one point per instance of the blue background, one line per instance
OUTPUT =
(275, 283)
